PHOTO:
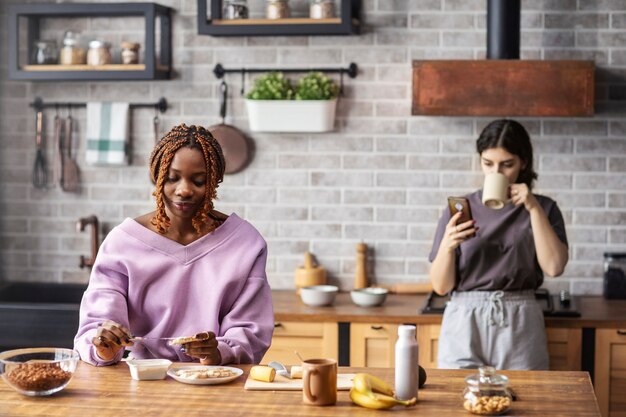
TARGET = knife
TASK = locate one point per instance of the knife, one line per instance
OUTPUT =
(142, 338)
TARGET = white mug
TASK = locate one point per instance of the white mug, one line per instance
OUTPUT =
(495, 190)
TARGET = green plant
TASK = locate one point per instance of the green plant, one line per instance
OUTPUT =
(316, 86)
(274, 86)
(271, 86)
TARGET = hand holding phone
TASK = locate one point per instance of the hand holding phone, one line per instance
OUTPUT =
(461, 204)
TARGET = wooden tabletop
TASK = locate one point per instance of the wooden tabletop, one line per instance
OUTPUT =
(109, 391)
(595, 311)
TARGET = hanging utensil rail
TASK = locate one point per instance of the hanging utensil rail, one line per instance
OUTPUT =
(39, 105)
(220, 71)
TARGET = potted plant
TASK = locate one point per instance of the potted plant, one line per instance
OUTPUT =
(274, 105)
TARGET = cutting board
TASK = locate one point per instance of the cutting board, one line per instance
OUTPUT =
(344, 383)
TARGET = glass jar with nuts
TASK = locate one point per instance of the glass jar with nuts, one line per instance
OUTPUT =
(487, 393)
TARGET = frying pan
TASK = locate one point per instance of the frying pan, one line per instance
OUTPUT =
(235, 144)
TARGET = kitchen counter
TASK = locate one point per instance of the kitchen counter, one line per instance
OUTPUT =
(109, 391)
(596, 312)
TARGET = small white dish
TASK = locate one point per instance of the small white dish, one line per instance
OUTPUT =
(148, 369)
(174, 373)
(369, 297)
(318, 295)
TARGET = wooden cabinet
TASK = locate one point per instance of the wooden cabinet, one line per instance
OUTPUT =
(373, 344)
(610, 371)
(347, 24)
(564, 346)
(428, 342)
(311, 340)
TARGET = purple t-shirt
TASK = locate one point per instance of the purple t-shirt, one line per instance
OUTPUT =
(502, 255)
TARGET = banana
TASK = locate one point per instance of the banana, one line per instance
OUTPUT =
(377, 401)
(366, 383)
(371, 392)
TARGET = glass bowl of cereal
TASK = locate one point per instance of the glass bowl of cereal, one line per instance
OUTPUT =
(486, 393)
(38, 371)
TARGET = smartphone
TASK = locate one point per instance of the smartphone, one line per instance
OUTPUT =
(457, 204)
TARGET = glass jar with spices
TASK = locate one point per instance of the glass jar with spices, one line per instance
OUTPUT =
(99, 53)
(71, 53)
(44, 53)
(235, 9)
(322, 9)
(130, 53)
(277, 9)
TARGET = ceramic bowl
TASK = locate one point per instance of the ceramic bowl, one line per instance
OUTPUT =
(38, 371)
(369, 297)
(318, 295)
(148, 369)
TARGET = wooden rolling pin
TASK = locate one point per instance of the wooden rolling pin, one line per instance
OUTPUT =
(417, 288)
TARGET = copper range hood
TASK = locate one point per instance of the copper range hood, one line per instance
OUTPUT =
(503, 85)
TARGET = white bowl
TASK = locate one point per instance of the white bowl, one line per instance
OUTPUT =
(318, 295)
(148, 369)
(369, 297)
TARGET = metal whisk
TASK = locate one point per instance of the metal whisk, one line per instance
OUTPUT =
(40, 171)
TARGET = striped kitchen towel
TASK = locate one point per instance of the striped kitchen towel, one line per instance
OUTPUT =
(107, 133)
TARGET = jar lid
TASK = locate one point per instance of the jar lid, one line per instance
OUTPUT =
(130, 45)
(487, 378)
(97, 43)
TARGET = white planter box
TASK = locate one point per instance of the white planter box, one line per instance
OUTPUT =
(291, 115)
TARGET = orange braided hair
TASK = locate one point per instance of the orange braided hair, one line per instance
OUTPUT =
(193, 137)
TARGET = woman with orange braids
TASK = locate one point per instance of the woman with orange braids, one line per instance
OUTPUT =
(182, 269)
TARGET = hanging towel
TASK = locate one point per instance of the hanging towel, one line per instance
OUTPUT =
(107, 133)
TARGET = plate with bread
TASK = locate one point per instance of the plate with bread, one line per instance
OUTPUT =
(204, 375)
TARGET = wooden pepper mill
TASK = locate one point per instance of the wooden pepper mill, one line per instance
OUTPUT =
(360, 270)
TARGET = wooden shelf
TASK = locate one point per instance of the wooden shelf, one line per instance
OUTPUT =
(154, 68)
(347, 24)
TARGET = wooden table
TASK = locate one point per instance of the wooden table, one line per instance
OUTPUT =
(109, 391)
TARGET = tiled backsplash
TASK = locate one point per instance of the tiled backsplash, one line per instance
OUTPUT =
(381, 177)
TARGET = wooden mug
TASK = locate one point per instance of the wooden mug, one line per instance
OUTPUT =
(319, 381)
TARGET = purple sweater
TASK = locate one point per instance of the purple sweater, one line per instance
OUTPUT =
(160, 288)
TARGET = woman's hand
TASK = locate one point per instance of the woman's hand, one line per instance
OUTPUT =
(520, 194)
(110, 338)
(205, 350)
(455, 234)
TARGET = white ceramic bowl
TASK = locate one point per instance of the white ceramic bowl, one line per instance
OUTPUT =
(38, 371)
(369, 297)
(318, 295)
(148, 369)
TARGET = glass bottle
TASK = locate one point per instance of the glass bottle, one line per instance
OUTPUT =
(99, 53)
(322, 9)
(407, 371)
(44, 52)
(277, 9)
(71, 53)
(235, 9)
(486, 392)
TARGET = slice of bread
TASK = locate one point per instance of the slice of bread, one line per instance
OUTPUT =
(188, 339)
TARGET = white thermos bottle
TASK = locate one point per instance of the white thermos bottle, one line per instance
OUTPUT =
(407, 371)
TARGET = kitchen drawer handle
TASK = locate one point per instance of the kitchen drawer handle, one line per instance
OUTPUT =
(278, 324)
(377, 327)
(621, 332)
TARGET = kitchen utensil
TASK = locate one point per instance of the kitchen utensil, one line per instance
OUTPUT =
(280, 369)
(298, 355)
(309, 274)
(344, 383)
(57, 167)
(369, 297)
(70, 168)
(319, 295)
(360, 272)
(235, 145)
(174, 372)
(148, 369)
(40, 174)
(319, 381)
(142, 338)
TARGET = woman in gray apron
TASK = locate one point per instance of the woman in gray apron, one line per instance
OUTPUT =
(495, 262)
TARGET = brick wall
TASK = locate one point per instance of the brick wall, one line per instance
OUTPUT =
(381, 177)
